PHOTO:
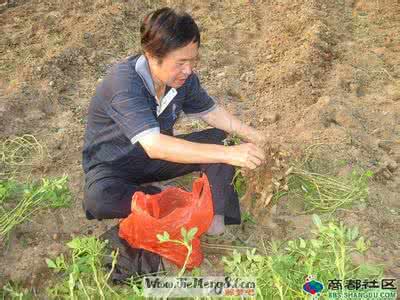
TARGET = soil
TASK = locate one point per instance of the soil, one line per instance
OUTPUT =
(317, 76)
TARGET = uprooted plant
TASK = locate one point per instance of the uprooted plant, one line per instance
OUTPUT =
(277, 177)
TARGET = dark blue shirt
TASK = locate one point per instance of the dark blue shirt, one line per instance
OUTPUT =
(124, 109)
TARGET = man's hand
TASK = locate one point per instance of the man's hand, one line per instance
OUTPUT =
(220, 118)
(245, 155)
(259, 138)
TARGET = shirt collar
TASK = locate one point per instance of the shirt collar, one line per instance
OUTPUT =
(143, 69)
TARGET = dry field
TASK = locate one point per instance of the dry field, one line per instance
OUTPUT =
(321, 78)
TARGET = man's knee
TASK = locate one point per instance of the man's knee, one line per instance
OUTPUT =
(102, 202)
(94, 207)
(220, 171)
(227, 170)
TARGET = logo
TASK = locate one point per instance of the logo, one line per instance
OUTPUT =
(313, 287)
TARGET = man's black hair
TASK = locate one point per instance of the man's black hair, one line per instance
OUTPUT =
(165, 30)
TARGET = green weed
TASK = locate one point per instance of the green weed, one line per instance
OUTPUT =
(15, 291)
(281, 270)
(248, 218)
(232, 139)
(8, 189)
(239, 183)
(49, 193)
(186, 242)
(83, 275)
(187, 237)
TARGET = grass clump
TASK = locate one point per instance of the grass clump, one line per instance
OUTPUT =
(281, 271)
(19, 201)
(325, 193)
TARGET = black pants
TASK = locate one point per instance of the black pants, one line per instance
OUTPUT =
(109, 195)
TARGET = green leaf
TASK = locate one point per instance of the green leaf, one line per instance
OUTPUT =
(163, 237)
(317, 220)
(184, 232)
(74, 244)
(166, 236)
(192, 233)
(369, 173)
(354, 233)
(51, 264)
(361, 245)
(160, 238)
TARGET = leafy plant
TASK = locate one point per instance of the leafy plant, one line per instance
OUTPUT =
(239, 183)
(58, 264)
(50, 193)
(15, 291)
(186, 242)
(232, 139)
(248, 218)
(83, 275)
(280, 273)
(8, 190)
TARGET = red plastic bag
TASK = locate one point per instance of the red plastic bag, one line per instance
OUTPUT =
(169, 211)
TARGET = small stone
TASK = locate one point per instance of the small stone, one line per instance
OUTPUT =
(392, 166)
(51, 83)
(56, 236)
(385, 145)
(87, 35)
(272, 118)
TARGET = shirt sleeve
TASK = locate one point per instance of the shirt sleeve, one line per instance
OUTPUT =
(197, 102)
(133, 115)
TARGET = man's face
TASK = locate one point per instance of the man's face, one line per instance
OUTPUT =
(177, 66)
